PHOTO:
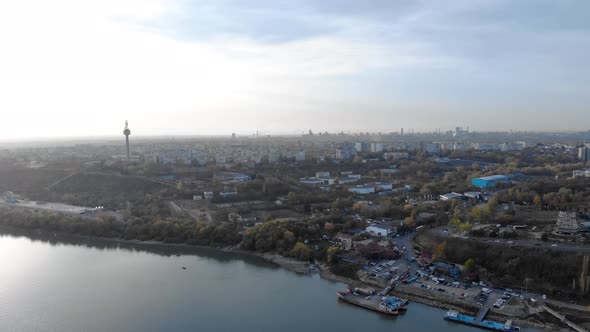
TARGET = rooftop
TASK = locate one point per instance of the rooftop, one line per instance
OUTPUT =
(493, 177)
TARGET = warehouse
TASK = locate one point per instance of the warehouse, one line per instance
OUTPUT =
(490, 181)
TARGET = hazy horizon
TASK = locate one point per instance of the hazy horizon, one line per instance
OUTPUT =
(81, 68)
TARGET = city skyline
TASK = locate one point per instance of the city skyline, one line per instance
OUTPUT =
(77, 68)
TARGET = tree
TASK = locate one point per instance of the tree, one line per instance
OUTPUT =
(358, 206)
(288, 239)
(493, 203)
(455, 223)
(301, 251)
(439, 250)
(481, 213)
(292, 198)
(410, 222)
(465, 227)
(469, 263)
(329, 227)
(332, 255)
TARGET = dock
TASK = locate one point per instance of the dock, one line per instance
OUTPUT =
(388, 305)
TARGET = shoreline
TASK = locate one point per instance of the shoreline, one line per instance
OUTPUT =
(291, 265)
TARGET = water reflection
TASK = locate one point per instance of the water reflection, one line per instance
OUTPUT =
(160, 249)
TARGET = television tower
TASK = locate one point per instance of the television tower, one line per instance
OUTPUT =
(127, 132)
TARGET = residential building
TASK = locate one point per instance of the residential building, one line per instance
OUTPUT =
(395, 155)
(361, 147)
(345, 241)
(322, 174)
(345, 152)
(585, 173)
(300, 155)
(461, 147)
(376, 147)
(431, 148)
(567, 224)
(486, 146)
(274, 156)
(584, 153)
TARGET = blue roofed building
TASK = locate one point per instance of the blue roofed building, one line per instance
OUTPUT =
(448, 269)
(490, 181)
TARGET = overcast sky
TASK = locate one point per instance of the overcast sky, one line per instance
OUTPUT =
(81, 67)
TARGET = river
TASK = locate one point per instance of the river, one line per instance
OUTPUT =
(69, 284)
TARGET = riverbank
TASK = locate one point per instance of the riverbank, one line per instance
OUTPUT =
(216, 292)
(273, 258)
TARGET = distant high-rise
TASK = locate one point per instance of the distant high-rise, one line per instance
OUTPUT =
(584, 153)
(127, 132)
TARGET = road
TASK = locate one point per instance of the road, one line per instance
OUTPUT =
(62, 208)
(518, 242)
(409, 255)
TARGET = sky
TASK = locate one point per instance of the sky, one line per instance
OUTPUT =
(195, 67)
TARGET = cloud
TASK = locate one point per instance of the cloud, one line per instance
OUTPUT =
(81, 67)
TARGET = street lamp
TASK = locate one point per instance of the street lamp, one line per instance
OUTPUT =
(526, 284)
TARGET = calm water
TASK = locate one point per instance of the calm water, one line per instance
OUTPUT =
(69, 285)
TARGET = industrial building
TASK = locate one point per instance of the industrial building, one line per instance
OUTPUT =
(232, 177)
(585, 173)
(362, 189)
(450, 196)
(383, 185)
(383, 228)
(490, 181)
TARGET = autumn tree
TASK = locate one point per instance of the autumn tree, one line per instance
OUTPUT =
(301, 251)
(440, 251)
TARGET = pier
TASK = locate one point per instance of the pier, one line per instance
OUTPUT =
(482, 313)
